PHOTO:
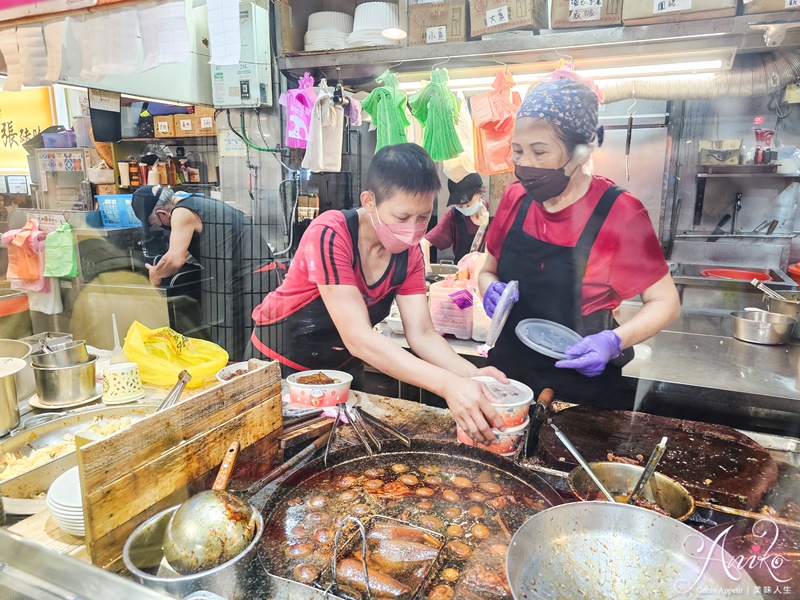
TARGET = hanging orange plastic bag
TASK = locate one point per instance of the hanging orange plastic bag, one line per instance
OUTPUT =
(493, 116)
(163, 353)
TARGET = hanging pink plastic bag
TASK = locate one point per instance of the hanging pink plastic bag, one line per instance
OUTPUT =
(493, 115)
(299, 104)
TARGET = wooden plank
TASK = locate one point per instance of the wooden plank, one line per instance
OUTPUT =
(111, 505)
(41, 528)
(117, 455)
(305, 431)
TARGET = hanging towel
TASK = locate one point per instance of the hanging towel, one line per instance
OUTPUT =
(386, 106)
(48, 301)
(324, 151)
(493, 115)
(299, 104)
(437, 109)
(60, 259)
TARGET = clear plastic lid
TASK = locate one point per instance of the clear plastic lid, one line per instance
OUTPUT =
(501, 312)
(546, 337)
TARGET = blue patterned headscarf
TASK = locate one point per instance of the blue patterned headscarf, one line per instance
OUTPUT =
(566, 103)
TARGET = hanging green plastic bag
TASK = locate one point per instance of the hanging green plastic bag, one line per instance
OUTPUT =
(163, 353)
(60, 259)
(386, 106)
(437, 109)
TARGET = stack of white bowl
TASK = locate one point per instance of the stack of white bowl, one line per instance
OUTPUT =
(66, 504)
(328, 30)
(370, 20)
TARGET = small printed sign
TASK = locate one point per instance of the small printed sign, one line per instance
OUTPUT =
(436, 35)
(497, 16)
(206, 122)
(186, 124)
(665, 6)
(792, 3)
(163, 127)
(585, 10)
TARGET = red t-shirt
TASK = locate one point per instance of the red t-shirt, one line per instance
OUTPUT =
(325, 257)
(626, 258)
(445, 234)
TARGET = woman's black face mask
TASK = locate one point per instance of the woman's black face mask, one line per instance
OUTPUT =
(542, 184)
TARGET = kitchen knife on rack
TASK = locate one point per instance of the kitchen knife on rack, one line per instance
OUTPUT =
(718, 230)
(538, 415)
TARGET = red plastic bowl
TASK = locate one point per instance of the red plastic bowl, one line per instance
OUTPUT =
(738, 274)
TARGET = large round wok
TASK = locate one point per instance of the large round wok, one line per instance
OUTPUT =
(353, 459)
(612, 550)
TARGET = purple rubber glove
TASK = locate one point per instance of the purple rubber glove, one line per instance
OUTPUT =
(492, 296)
(591, 355)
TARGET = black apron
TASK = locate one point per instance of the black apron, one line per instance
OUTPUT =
(238, 271)
(550, 281)
(463, 242)
(307, 339)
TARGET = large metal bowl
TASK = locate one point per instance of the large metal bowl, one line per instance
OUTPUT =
(610, 550)
(61, 355)
(237, 579)
(759, 327)
(66, 385)
(24, 379)
(619, 479)
(790, 308)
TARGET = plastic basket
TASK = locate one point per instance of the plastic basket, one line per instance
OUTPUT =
(65, 139)
(116, 211)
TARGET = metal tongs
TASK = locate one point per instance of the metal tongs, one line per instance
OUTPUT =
(771, 293)
(349, 519)
(176, 391)
(358, 418)
(649, 469)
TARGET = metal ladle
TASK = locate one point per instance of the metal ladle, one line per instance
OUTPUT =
(211, 528)
(582, 462)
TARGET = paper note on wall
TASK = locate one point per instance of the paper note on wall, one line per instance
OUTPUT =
(229, 144)
(223, 32)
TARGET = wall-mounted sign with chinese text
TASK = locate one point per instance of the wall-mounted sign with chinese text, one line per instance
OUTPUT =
(23, 115)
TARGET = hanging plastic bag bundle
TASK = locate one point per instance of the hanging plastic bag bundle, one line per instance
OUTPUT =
(299, 104)
(386, 106)
(493, 115)
(462, 165)
(163, 353)
(324, 151)
(60, 259)
(437, 109)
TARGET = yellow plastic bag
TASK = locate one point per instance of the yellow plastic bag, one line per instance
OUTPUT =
(163, 353)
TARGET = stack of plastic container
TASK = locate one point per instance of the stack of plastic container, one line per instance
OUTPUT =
(451, 308)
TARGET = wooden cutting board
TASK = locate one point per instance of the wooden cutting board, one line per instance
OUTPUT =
(716, 464)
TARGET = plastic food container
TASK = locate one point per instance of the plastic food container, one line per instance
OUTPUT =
(507, 443)
(513, 400)
(65, 139)
(319, 394)
(447, 315)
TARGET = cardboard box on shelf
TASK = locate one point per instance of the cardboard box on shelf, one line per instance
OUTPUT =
(764, 6)
(719, 152)
(437, 23)
(645, 12)
(566, 14)
(185, 126)
(203, 119)
(164, 126)
(492, 16)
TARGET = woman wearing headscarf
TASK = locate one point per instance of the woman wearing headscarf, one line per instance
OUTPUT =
(460, 222)
(578, 245)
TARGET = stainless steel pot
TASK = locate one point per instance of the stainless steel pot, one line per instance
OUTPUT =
(610, 550)
(61, 355)
(25, 381)
(790, 309)
(759, 327)
(66, 385)
(619, 479)
(9, 406)
(237, 579)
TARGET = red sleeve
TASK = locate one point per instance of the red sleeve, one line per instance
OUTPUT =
(638, 260)
(415, 278)
(328, 252)
(442, 235)
(502, 221)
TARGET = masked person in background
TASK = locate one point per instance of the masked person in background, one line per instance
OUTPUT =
(349, 267)
(578, 245)
(238, 266)
(460, 222)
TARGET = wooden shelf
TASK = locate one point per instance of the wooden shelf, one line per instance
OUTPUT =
(747, 175)
(185, 141)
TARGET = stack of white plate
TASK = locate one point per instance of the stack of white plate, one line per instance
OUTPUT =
(327, 30)
(370, 20)
(66, 504)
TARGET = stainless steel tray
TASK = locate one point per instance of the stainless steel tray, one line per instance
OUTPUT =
(17, 491)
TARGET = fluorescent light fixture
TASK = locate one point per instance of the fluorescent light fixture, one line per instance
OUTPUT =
(143, 99)
(393, 33)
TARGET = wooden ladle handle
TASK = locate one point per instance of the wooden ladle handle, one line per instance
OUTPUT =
(221, 482)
